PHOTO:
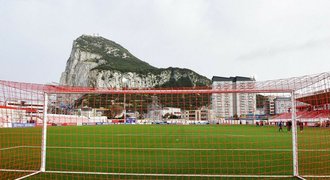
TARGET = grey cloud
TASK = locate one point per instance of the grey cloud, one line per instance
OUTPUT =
(275, 50)
(205, 36)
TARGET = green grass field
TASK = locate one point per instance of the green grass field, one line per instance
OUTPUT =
(164, 149)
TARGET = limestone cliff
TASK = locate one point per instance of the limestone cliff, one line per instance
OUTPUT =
(99, 62)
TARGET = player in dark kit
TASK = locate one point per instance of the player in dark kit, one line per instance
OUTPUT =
(301, 126)
(289, 125)
(280, 126)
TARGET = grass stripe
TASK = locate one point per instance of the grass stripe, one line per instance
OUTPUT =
(169, 175)
(176, 149)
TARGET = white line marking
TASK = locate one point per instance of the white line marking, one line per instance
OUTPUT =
(28, 175)
(167, 175)
(137, 174)
(18, 170)
(14, 147)
(299, 177)
(178, 149)
(316, 176)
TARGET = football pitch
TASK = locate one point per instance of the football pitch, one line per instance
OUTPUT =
(162, 152)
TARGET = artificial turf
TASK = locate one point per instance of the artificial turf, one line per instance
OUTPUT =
(165, 149)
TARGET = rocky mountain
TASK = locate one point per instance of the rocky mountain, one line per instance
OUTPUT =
(99, 62)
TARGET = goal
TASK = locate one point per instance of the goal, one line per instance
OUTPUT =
(236, 128)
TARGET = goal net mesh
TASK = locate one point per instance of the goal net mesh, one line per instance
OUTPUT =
(235, 128)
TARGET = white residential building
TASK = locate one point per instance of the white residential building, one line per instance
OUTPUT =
(269, 104)
(282, 104)
(171, 111)
(226, 105)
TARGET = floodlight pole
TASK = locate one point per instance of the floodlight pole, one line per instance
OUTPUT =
(294, 136)
(124, 108)
(44, 134)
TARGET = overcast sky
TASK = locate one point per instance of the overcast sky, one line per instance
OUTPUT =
(270, 39)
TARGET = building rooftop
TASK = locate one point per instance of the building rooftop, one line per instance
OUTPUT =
(232, 79)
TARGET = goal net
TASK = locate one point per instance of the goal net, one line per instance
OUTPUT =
(236, 128)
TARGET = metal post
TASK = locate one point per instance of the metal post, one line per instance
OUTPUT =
(44, 135)
(124, 108)
(294, 136)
